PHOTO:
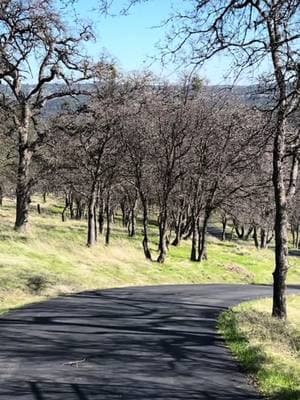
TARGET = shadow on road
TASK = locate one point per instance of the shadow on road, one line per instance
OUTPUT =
(130, 344)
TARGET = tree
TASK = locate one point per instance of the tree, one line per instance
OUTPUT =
(137, 142)
(253, 31)
(86, 146)
(172, 132)
(35, 46)
(227, 148)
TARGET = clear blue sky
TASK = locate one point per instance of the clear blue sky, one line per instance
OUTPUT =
(131, 39)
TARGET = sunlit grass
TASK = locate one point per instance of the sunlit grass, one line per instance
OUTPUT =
(54, 254)
(269, 349)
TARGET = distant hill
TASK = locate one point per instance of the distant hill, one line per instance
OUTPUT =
(251, 95)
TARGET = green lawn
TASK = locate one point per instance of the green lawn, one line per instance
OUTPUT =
(269, 349)
(53, 259)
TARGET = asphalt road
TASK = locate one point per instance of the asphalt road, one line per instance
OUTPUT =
(131, 344)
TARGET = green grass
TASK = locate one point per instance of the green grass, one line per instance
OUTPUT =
(269, 349)
(53, 259)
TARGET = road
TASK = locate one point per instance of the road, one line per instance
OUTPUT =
(137, 343)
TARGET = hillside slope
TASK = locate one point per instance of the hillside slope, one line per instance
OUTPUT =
(53, 259)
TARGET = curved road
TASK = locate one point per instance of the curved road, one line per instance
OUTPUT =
(132, 344)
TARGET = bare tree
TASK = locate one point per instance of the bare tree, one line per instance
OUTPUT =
(172, 139)
(36, 47)
(137, 137)
(85, 143)
(252, 31)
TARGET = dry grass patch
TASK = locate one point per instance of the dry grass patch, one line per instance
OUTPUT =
(53, 259)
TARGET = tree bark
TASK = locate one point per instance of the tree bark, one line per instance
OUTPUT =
(123, 209)
(231, 233)
(71, 206)
(293, 236)
(263, 238)
(23, 180)
(241, 234)
(203, 251)
(1, 195)
(63, 216)
(269, 238)
(132, 221)
(194, 253)
(23, 187)
(255, 238)
(162, 247)
(95, 222)
(79, 209)
(199, 233)
(178, 229)
(224, 226)
(146, 247)
(101, 216)
(91, 236)
(248, 233)
(281, 222)
(108, 220)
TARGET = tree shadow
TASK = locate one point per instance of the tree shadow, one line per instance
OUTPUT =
(38, 390)
(131, 344)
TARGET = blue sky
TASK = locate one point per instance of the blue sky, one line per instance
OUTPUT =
(131, 40)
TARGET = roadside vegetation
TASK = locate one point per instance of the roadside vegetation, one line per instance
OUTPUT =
(52, 259)
(267, 348)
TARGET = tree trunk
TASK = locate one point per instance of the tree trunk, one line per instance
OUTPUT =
(132, 221)
(71, 206)
(91, 236)
(249, 231)
(199, 232)
(78, 214)
(281, 222)
(240, 235)
(95, 223)
(123, 209)
(194, 253)
(145, 229)
(263, 238)
(224, 226)
(255, 238)
(63, 216)
(162, 247)
(23, 185)
(293, 236)
(178, 230)
(101, 216)
(186, 229)
(108, 220)
(203, 250)
(269, 238)
(1, 195)
(231, 233)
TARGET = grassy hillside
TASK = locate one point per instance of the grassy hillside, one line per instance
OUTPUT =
(53, 258)
(268, 348)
